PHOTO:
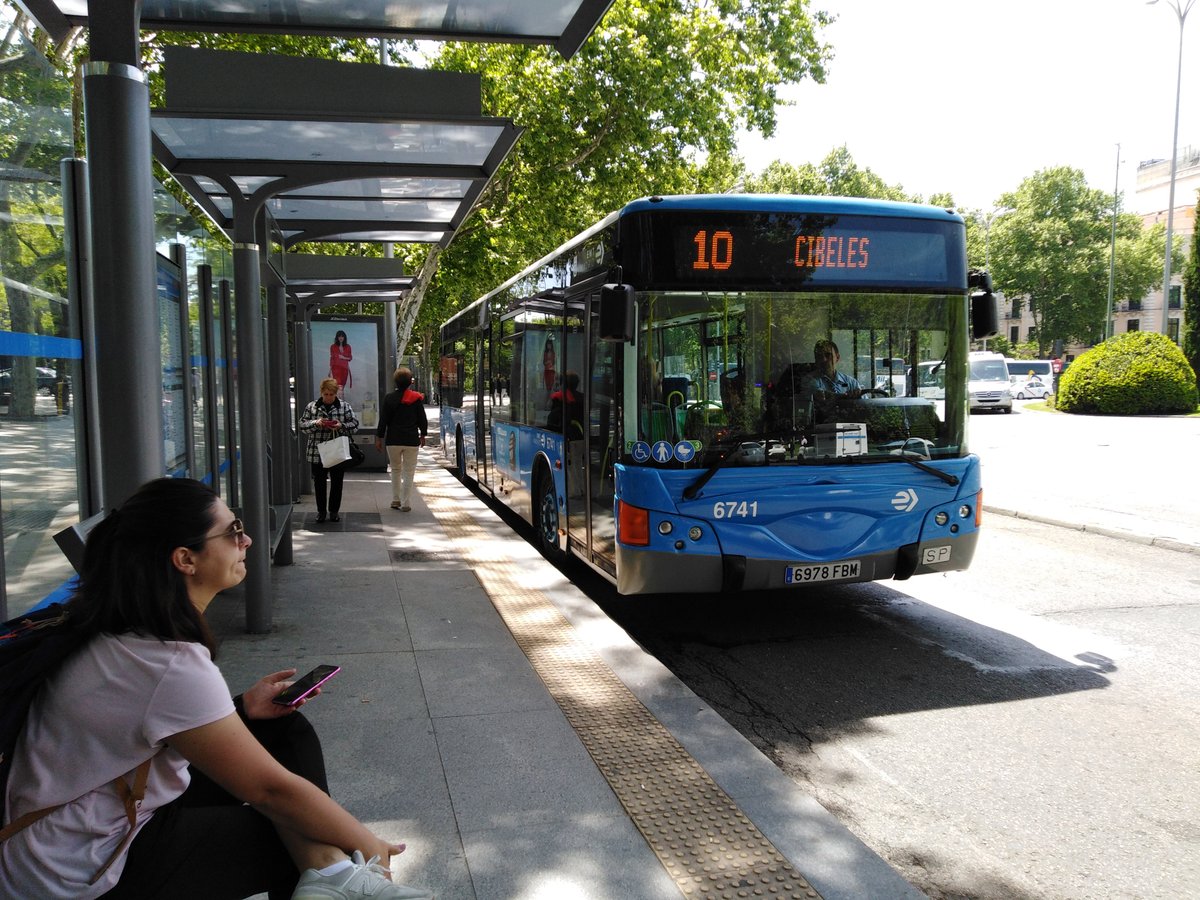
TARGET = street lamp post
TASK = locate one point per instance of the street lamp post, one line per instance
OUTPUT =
(1181, 12)
(1112, 250)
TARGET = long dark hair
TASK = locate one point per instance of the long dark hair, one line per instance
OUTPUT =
(128, 582)
(341, 334)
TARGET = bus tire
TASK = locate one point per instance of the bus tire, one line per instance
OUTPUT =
(545, 518)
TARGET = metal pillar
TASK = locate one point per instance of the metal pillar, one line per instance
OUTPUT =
(116, 104)
(231, 407)
(305, 389)
(282, 443)
(179, 257)
(208, 357)
(78, 241)
(252, 412)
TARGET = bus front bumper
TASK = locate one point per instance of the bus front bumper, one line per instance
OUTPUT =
(644, 571)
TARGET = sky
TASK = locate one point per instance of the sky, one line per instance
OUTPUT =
(974, 96)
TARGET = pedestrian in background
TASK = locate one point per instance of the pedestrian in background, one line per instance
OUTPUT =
(324, 419)
(402, 427)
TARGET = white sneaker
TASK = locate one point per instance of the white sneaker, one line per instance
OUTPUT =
(359, 879)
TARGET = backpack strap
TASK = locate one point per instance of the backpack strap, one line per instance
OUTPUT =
(130, 796)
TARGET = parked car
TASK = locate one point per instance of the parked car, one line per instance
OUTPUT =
(46, 380)
(1033, 388)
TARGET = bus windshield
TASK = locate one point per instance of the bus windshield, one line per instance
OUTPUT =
(765, 378)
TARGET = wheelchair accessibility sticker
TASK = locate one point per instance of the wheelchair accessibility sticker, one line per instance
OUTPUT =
(640, 451)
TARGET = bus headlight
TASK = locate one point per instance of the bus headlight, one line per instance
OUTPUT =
(942, 518)
(664, 527)
(694, 532)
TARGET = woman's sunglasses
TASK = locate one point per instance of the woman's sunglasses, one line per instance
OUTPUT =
(236, 531)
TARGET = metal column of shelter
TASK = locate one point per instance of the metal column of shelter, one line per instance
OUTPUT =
(128, 350)
(282, 457)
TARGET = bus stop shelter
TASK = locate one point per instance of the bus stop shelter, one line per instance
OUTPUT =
(266, 155)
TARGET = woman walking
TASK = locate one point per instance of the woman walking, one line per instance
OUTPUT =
(402, 426)
(324, 419)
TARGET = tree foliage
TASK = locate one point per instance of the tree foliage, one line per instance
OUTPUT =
(651, 104)
(837, 175)
(1191, 297)
(1053, 250)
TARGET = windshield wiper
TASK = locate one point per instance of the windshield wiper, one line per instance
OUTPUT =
(913, 459)
(690, 492)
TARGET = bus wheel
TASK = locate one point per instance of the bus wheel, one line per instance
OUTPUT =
(460, 458)
(547, 519)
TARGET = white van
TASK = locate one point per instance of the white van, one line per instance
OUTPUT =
(988, 383)
(1024, 369)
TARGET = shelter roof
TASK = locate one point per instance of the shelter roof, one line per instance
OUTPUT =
(333, 151)
(565, 24)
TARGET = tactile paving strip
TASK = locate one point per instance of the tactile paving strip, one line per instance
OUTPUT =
(704, 841)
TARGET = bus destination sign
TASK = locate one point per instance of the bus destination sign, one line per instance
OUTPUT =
(803, 251)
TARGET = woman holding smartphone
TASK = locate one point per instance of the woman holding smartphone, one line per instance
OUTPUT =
(325, 418)
(235, 800)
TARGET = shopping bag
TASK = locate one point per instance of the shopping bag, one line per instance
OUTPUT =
(334, 451)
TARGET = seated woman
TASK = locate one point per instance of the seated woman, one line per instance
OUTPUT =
(235, 796)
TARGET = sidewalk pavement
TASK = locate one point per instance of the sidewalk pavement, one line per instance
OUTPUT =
(440, 733)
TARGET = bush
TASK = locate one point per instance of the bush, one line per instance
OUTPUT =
(1134, 374)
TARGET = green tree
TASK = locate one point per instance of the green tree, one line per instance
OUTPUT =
(651, 104)
(1053, 249)
(1191, 298)
(836, 175)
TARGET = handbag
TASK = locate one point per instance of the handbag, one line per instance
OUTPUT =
(356, 455)
(335, 451)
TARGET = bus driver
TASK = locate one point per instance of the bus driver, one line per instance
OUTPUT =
(828, 379)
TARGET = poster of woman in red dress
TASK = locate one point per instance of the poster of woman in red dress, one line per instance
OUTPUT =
(340, 355)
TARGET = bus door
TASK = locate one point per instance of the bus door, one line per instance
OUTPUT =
(576, 437)
(591, 521)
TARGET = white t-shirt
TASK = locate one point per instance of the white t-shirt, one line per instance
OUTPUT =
(103, 714)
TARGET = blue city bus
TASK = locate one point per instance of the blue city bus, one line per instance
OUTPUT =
(655, 397)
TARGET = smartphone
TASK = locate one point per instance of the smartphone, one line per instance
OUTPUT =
(304, 687)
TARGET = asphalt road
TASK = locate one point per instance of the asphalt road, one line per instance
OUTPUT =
(1026, 729)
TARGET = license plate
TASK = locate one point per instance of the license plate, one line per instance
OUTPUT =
(834, 571)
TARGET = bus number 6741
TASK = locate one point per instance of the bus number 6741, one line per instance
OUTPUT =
(729, 509)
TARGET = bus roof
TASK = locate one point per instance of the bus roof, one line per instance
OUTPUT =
(793, 203)
(803, 203)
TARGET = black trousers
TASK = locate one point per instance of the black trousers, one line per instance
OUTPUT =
(335, 476)
(207, 845)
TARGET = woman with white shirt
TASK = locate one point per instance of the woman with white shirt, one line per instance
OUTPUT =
(235, 798)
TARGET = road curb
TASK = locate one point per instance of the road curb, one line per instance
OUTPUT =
(1118, 533)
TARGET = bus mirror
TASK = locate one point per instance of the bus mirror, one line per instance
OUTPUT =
(616, 312)
(985, 316)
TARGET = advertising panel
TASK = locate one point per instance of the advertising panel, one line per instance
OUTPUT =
(349, 349)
